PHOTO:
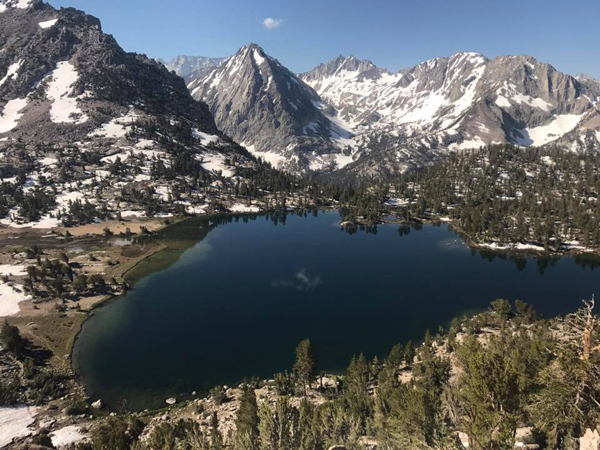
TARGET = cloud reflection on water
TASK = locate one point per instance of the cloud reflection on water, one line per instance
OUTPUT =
(301, 281)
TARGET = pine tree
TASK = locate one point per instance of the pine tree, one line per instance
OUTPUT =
(247, 421)
(305, 366)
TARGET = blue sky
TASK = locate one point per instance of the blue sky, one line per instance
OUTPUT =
(392, 33)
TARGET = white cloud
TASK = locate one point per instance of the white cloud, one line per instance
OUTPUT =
(270, 23)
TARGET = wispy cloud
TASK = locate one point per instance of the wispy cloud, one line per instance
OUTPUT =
(270, 23)
(301, 282)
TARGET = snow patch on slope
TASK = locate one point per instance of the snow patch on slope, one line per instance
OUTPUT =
(13, 70)
(239, 208)
(468, 144)
(15, 422)
(276, 160)
(21, 4)
(69, 435)
(48, 23)
(64, 108)
(7, 269)
(509, 92)
(117, 127)
(9, 117)
(205, 138)
(546, 133)
(10, 297)
(216, 162)
(258, 58)
(503, 102)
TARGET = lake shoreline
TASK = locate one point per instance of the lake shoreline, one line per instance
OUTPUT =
(508, 247)
(425, 221)
(125, 272)
(433, 238)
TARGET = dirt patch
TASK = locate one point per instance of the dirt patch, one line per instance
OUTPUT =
(115, 226)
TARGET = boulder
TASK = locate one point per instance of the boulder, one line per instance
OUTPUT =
(171, 401)
(590, 440)
(463, 438)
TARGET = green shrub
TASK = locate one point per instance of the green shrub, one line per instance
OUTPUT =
(218, 395)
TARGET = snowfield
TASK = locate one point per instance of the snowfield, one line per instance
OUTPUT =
(10, 297)
(15, 422)
(9, 118)
(66, 436)
(547, 133)
(64, 108)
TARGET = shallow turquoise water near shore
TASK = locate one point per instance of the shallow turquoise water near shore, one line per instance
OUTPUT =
(236, 303)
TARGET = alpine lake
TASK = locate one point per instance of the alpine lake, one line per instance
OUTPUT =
(232, 296)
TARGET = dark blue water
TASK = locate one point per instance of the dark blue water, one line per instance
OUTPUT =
(236, 303)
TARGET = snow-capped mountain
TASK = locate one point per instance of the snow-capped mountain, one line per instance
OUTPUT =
(62, 78)
(386, 122)
(586, 77)
(447, 104)
(82, 120)
(192, 66)
(266, 108)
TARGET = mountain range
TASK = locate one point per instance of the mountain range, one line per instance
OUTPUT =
(350, 114)
(63, 82)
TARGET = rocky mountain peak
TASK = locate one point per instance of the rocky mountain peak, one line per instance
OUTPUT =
(187, 66)
(62, 77)
(585, 77)
(338, 66)
(452, 103)
(89, 131)
(267, 108)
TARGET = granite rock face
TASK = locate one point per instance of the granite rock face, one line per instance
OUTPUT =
(267, 108)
